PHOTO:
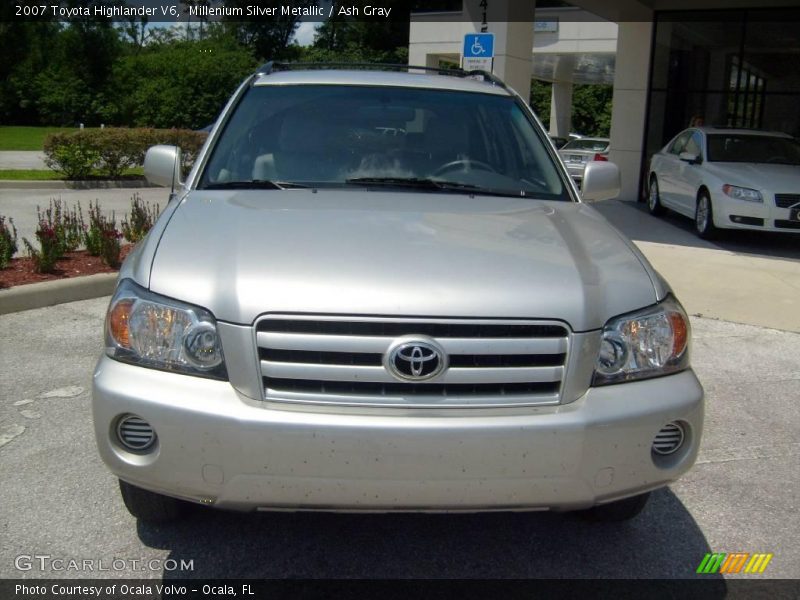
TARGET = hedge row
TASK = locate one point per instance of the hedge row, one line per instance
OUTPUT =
(78, 154)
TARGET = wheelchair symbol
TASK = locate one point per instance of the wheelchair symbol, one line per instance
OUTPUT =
(476, 48)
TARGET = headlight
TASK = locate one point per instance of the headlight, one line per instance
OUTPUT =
(647, 343)
(741, 193)
(153, 331)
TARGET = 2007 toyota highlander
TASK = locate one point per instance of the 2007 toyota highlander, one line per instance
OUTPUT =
(379, 290)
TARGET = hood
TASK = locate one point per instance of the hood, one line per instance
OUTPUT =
(241, 254)
(761, 176)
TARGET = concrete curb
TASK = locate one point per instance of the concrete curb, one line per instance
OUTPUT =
(59, 184)
(48, 293)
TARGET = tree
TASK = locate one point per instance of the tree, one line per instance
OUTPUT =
(591, 109)
(267, 37)
(179, 83)
(541, 94)
(591, 106)
(69, 89)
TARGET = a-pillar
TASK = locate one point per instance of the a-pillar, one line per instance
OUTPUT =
(561, 109)
(629, 111)
(511, 22)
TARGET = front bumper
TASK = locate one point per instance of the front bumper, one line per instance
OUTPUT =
(738, 214)
(218, 447)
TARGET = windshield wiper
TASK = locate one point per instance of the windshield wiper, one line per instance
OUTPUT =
(254, 184)
(427, 183)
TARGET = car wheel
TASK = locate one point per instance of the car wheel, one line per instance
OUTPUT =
(148, 506)
(704, 217)
(621, 510)
(653, 199)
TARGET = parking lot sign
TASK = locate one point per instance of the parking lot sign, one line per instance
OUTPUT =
(478, 52)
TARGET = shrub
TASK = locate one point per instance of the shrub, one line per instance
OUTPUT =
(44, 260)
(102, 237)
(110, 248)
(71, 154)
(112, 150)
(140, 221)
(59, 231)
(119, 149)
(8, 241)
(66, 224)
(92, 235)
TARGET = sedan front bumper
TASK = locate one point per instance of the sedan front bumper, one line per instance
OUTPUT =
(218, 447)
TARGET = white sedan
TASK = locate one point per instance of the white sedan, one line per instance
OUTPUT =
(728, 178)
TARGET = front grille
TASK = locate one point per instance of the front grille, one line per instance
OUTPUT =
(786, 224)
(340, 360)
(786, 200)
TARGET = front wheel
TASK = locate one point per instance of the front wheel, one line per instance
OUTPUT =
(653, 199)
(704, 217)
(148, 506)
(621, 510)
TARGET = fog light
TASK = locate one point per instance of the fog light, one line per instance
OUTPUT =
(134, 433)
(669, 439)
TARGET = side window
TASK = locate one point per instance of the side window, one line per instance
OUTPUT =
(694, 145)
(679, 143)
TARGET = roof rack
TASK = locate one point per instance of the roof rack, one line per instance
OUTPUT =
(273, 67)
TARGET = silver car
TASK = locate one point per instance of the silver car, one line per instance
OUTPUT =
(577, 153)
(380, 291)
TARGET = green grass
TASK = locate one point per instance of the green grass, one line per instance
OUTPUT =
(26, 138)
(29, 174)
(47, 175)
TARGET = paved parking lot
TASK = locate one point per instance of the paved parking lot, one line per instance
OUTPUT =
(58, 499)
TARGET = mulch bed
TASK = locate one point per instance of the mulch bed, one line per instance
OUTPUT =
(74, 264)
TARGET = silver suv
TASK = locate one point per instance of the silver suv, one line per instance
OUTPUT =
(380, 291)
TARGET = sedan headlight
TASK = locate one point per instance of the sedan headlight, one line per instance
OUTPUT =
(647, 343)
(742, 193)
(146, 329)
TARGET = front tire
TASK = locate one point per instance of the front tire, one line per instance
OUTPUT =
(150, 507)
(654, 199)
(615, 512)
(704, 217)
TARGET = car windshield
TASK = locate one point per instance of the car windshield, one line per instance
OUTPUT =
(587, 144)
(753, 149)
(411, 138)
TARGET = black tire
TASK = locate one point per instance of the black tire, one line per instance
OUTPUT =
(654, 198)
(150, 507)
(704, 217)
(621, 510)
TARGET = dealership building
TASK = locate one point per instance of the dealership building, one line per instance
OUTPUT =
(734, 63)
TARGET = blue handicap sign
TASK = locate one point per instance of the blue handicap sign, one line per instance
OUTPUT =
(479, 45)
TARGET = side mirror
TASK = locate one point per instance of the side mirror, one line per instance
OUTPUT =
(600, 181)
(162, 166)
(689, 157)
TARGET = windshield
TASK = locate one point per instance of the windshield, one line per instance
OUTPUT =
(587, 144)
(335, 135)
(753, 149)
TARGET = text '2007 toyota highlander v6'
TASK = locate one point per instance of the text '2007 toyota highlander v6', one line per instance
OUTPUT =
(380, 291)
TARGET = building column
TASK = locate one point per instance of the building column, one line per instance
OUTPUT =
(561, 109)
(629, 111)
(511, 22)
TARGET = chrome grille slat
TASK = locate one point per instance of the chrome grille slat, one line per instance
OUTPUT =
(379, 344)
(334, 360)
(379, 374)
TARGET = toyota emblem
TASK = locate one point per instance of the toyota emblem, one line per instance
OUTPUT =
(415, 359)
